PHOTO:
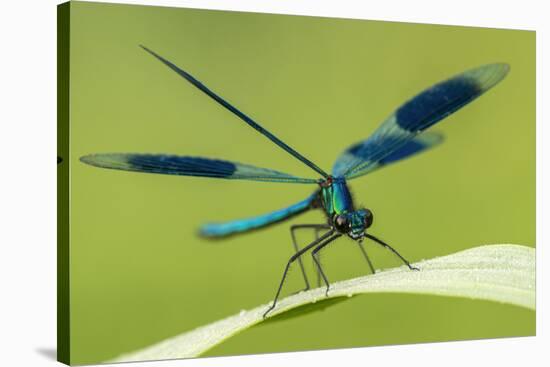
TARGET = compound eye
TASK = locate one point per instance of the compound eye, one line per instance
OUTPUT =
(369, 218)
(341, 223)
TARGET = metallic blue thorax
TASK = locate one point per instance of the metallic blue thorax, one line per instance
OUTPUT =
(336, 198)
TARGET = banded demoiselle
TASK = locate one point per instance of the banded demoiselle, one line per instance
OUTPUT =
(400, 136)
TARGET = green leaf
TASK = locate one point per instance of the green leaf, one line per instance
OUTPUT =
(501, 273)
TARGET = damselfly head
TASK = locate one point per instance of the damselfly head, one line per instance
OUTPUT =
(366, 216)
(353, 223)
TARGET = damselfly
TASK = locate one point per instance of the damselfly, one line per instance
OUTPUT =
(398, 137)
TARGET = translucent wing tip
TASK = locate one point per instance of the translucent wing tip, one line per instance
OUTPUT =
(430, 139)
(502, 66)
(106, 160)
(90, 159)
(487, 76)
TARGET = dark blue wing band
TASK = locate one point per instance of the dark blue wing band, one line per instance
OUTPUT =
(238, 113)
(189, 166)
(436, 103)
(415, 116)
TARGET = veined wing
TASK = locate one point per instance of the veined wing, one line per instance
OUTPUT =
(416, 115)
(260, 221)
(414, 146)
(203, 88)
(189, 166)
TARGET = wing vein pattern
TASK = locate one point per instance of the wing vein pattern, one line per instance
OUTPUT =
(189, 166)
(238, 113)
(397, 133)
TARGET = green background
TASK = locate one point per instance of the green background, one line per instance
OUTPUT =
(140, 274)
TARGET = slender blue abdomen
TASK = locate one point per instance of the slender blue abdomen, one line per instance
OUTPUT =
(247, 224)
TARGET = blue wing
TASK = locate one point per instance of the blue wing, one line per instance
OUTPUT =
(247, 224)
(203, 88)
(189, 166)
(415, 116)
(414, 146)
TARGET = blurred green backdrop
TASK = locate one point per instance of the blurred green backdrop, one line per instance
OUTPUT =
(140, 274)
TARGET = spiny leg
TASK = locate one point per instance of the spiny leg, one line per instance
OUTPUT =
(319, 259)
(382, 243)
(360, 244)
(291, 260)
(293, 228)
(315, 255)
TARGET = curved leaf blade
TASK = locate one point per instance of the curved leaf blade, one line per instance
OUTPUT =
(500, 273)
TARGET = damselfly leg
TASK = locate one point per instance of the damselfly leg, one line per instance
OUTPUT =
(317, 228)
(326, 237)
(319, 277)
(315, 254)
(362, 248)
(382, 243)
